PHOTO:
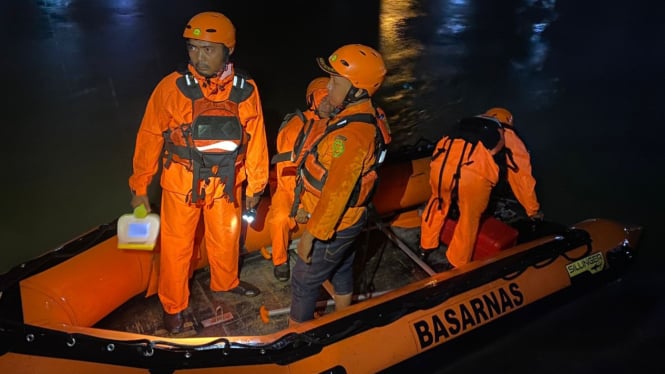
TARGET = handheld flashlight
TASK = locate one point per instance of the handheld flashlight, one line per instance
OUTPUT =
(249, 216)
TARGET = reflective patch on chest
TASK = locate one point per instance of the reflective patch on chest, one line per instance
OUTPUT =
(338, 146)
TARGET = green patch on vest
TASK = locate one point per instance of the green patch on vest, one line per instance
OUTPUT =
(338, 146)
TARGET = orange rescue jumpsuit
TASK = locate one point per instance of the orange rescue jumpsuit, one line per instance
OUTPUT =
(281, 222)
(169, 108)
(478, 175)
(329, 212)
(521, 180)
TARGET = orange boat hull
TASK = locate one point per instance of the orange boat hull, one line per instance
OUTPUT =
(59, 305)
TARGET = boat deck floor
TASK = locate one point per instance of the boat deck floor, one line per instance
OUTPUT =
(382, 266)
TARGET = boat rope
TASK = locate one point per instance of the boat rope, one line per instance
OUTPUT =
(573, 259)
(149, 346)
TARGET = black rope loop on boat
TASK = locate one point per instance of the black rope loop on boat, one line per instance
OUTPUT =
(549, 261)
(293, 339)
(515, 275)
(588, 251)
(545, 263)
(148, 346)
(536, 266)
(227, 344)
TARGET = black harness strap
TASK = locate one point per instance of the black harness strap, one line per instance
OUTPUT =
(358, 117)
(445, 148)
(288, 155)
(281, 157)
(453, 211)
(200, 164)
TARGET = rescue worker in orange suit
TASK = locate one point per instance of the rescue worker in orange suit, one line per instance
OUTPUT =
(206, 124)
(469, 172)
(281, 221)
(468, 183)
(338, 174)
(518, 164)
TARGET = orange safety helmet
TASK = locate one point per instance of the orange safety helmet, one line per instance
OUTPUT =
(317, 89)
(360, 64)
(502, 114)
(211, 27)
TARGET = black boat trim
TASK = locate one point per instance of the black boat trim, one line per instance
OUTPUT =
(167, 356)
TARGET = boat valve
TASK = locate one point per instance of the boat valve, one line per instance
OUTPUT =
(623, 255)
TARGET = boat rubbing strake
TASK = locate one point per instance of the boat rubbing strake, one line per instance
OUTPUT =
(55, 310)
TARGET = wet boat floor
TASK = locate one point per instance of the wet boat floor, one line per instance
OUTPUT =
(382, 266)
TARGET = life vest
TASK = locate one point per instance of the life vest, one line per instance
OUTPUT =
(471, 131)
(287, 154)
(290, 128)
(215, 142)
(311, 175)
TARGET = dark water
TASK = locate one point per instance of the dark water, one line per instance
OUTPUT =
(584, 79)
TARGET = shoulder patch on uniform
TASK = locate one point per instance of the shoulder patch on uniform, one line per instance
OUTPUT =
(339, 145)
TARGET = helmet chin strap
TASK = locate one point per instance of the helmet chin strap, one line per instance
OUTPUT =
(350, 98)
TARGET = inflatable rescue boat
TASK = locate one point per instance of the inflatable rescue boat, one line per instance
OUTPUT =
(90, 307)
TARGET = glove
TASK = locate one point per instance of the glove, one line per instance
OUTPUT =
(141, 199)
(538, 216)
